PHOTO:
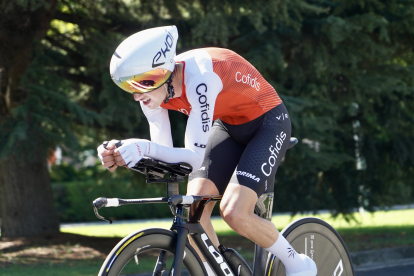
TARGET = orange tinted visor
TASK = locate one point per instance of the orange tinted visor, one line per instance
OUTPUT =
(145, 82)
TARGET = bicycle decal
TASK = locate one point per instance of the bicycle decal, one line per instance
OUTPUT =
(122, 248)
(128, 242)
(271, 265)
(217, 256)
(311, 251)
(339, 266)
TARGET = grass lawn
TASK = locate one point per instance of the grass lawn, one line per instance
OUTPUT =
(369, 231)
(382, 229)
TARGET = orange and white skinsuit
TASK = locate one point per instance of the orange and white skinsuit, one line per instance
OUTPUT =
(217, 84)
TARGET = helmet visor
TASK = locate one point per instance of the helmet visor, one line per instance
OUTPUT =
(145, 82)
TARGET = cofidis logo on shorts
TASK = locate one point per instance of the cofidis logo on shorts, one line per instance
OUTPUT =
(247, 79)
(274, 153)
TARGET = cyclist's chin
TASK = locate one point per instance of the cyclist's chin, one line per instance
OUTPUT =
(153, 105)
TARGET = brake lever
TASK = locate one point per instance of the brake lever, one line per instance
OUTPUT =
(117, 144)
(98, 204)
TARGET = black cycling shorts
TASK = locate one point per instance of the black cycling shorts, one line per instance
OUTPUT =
(247, 154)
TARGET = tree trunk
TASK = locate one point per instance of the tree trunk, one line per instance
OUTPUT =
(26, 199)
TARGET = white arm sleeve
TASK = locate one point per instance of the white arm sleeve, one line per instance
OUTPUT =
(160, 127)
(201, 94)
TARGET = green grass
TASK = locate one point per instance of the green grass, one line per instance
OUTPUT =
(377, 230)
(80, 268)
(366, 223)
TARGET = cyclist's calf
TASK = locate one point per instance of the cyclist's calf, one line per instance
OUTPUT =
(237, 210)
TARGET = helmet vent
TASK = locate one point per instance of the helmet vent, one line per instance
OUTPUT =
(115, 54)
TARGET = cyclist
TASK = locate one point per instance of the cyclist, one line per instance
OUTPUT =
(236, 156)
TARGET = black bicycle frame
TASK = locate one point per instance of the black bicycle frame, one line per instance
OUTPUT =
(197, 233)
(187, 222)
(201, 239)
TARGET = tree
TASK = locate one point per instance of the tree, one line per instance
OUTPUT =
(343, 68)
(25, 193)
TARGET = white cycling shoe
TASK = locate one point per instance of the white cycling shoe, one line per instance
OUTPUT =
(310, 264)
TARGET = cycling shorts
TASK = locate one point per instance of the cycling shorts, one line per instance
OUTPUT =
(247, 154)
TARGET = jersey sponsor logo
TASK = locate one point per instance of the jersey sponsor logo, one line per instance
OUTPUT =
(217, 256)
(249, 175)
(248, 80)
(200, 145)
(169, 41)
(182, 110)
(204, 106)
(274, 153)
(283, 116)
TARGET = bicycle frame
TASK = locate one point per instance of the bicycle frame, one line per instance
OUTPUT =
(187, 222)
(214, 258)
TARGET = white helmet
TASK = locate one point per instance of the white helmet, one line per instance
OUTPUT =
(145, 60)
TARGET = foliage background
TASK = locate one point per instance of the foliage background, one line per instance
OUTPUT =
(343, 68)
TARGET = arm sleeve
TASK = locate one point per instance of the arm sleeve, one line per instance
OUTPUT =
(202, 93)
(159, 123)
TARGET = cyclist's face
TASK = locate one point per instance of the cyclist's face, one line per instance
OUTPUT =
(152, 99)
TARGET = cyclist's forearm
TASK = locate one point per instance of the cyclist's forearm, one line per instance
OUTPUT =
(175, 155)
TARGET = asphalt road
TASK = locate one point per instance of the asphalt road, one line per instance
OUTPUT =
(403, 270)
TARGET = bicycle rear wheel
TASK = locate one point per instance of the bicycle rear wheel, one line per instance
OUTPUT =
(138, 253)
(320, 241)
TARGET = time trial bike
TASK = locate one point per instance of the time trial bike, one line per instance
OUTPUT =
(311, 236)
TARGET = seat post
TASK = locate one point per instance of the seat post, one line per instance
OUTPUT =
(172, 188)
(173, 185)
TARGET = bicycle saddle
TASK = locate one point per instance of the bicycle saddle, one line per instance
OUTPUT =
(159, 169)
(293, 141)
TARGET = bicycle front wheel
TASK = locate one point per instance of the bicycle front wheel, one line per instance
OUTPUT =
(320, 241)
(138, 253)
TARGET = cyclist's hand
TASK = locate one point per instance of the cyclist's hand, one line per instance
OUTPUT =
(106, 155)
(131, 151)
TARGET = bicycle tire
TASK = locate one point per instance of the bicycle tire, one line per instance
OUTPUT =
(321, 242)
(145, 240)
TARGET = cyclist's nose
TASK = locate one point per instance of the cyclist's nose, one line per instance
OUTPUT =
(137, 96)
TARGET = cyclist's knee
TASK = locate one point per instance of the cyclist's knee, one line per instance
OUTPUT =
(233, 217)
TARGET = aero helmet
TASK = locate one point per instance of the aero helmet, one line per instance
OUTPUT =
(145, 60)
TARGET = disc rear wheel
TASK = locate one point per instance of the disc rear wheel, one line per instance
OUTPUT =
(320, 241)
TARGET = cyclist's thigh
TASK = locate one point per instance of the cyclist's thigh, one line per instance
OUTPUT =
(259, 162)
(221, 158)
(201, 186)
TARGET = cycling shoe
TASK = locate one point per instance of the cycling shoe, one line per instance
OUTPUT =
(309, 264)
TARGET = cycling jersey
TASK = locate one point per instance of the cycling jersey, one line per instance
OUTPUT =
(245, 94)
(217, 84)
